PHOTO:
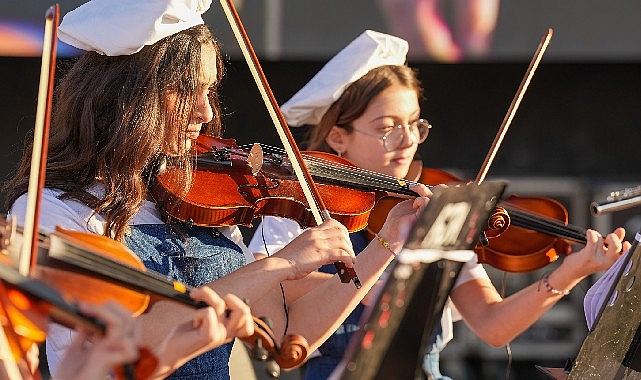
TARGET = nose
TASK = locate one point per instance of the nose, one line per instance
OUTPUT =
(202, 113)
(408, 138)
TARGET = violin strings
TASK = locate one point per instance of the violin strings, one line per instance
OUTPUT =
(345, 173)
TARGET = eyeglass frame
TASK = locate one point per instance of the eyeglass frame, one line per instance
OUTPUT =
(419, 140)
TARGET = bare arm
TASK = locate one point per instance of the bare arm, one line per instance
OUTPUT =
(497, 321)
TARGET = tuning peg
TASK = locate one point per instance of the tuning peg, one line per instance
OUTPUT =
(272, 369)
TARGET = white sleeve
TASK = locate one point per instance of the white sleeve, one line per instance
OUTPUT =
(67, 214)
(277, 233)
(54, 212)
(471, 270)
(58, 340)
(234, 234)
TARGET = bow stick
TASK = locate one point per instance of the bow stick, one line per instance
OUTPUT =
(513, 107)
(312, 195)
(28, 254)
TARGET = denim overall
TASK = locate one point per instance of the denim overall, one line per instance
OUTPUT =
(319, 368)
(431, 365)
(194, 256)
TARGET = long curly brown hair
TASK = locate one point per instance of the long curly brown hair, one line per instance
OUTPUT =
(109, 124)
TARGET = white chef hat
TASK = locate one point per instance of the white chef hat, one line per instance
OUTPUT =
(123, 27)
(368, 51)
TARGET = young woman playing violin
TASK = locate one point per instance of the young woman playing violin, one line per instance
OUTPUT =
(141, 93)
(364, 106)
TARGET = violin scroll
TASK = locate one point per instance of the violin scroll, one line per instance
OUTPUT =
(498, 222)
(263, 347)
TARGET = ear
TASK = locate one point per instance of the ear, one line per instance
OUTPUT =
(336, 139)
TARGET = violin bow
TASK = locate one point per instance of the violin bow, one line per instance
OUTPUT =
(28, 254)
(312, 195)
(534, 63)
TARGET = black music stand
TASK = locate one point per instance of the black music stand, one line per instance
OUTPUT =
(397, 326)
(612, 349)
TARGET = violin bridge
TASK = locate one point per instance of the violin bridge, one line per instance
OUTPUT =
(255, 158)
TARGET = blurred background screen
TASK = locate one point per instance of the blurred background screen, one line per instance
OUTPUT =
(438, 30)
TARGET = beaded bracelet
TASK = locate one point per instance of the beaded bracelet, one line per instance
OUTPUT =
(385, 244)
(550, 289)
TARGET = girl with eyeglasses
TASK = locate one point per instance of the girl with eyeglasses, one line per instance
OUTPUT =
(363, 105)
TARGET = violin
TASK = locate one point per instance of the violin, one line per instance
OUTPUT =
(29, 305)
(232, 185)
(523, 233)
(73, 261)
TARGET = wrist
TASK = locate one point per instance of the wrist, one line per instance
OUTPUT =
(554, 287)
(288, 265)
(390, 240)
(383, 242)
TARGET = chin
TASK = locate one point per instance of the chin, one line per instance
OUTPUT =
(396, 173)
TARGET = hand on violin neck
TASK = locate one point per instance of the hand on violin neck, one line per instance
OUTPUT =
(400, 220)
(317, 246)
(599, 254)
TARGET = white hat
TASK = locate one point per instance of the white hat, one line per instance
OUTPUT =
(123, 27)
(368, 51)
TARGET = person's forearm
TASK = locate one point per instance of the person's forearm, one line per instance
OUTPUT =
(503, 320)
(318, 314)
(253, 281)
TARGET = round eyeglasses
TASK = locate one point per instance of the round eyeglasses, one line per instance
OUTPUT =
(393, 139)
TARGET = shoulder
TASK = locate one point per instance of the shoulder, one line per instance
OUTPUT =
(54, 212)
(471, 270)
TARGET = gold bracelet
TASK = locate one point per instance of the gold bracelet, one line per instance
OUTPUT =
(550, 289)
(385, 244)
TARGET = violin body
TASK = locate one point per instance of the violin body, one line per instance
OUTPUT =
(95, 269)
(516, 249)
(513, 245)
(226, 190)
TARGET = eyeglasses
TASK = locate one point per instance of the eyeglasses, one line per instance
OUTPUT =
(393, 139)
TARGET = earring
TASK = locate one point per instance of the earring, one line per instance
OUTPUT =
(339, 153)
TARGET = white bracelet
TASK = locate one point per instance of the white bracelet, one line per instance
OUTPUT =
(550, 289)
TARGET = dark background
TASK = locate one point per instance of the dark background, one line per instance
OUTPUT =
(575, 120)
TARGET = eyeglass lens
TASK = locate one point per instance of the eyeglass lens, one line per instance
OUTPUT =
(418, 133)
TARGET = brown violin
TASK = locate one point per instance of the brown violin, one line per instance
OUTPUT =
(72, 262)
(523, 233)
(232, 185)
(27, 307)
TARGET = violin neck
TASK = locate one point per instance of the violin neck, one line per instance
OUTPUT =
(545, 225)
(358, 179)
(147, 281)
